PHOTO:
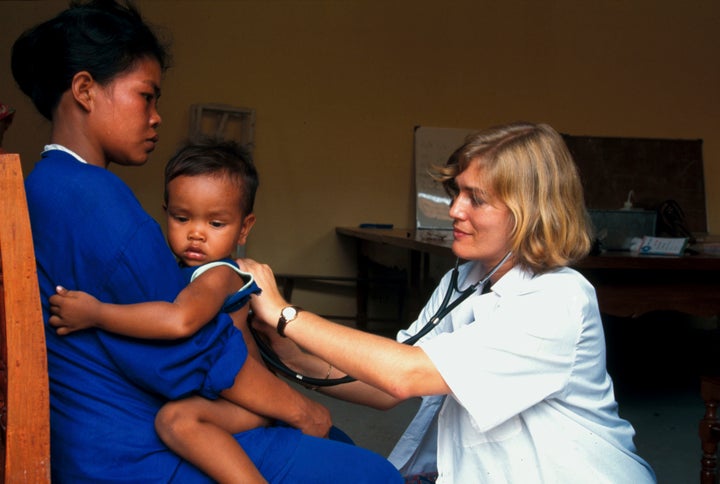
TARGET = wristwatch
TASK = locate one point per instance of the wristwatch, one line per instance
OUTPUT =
(287, 315)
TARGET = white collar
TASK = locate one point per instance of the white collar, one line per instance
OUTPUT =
(62, 148)
(512, 280)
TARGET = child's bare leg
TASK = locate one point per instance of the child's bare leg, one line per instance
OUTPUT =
(274, 398)
(200, 431)
(240, 320)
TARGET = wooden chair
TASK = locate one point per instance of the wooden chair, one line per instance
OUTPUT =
(24, 392)
(709, 429)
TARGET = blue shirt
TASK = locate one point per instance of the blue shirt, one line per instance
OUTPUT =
(91, 234)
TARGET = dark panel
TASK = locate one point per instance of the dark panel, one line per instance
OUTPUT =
(655, 169)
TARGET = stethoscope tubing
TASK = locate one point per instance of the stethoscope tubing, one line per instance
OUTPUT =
(272, 359)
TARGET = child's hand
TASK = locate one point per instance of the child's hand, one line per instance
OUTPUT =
(72, 310)
(316, 421)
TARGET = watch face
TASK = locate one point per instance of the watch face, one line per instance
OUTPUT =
(289, 313)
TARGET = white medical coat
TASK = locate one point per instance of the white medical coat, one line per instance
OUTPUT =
(531, 400)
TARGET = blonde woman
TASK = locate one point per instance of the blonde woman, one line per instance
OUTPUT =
(514, 379)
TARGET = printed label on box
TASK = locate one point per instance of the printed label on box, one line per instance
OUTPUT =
(663, 245)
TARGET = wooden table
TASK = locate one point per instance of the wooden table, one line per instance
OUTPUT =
(419, 249)
(627, 286)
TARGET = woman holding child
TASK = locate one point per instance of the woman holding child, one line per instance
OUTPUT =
(95, 72)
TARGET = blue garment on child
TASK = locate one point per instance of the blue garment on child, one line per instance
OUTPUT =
(234, 301)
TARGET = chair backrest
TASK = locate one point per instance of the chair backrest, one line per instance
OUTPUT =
(24, 392)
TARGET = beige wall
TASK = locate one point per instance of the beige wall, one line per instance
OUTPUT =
(339, 85)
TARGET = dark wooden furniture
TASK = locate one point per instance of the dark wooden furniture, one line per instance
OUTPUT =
(24, 393)
(419, 250)
(710, 429)
(389, 280)
(630, 286)
(626, 286)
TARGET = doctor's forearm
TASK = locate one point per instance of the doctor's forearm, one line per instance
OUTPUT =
(399, 370)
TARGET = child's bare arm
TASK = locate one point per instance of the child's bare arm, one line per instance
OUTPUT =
(194, 307)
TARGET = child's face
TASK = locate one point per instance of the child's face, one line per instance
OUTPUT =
(205, 222)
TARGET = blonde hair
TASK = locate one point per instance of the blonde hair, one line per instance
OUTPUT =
(530, 170)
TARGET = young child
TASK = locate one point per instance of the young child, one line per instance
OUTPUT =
(209, 195)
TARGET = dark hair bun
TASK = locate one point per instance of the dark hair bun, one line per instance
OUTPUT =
(102, 37)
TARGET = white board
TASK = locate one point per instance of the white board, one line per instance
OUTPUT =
(432, 147)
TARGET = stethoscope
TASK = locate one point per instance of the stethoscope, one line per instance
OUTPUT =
(272, 359)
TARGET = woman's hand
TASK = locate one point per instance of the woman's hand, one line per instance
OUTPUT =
(72, 311)
(266, 306)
